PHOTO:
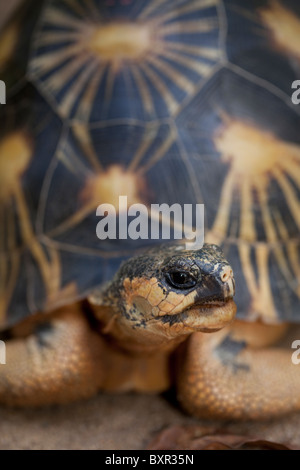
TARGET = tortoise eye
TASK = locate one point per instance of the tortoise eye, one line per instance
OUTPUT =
(180, 279)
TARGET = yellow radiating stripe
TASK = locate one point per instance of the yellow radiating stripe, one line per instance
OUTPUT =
(193, 64)
(291, 252)
(266, 216)
(31, 241)
(244, 252)
(87, 100)
(265, 303)
(271, 232)
(75, 163)
(60, 78)
(73, 220)
(55, 268)
(221, 222)
(143, 89)
(294, 150)
(247, 229)
(48, 61)
(284, 25)
(260, 289)
(175, 224)
(154, 5)
(159, 154)
(142, 149)
(194, 6)
(84, 137)
(284, 234)
(188, 27)
(70, 97)
(57, 18)
(72, 162)
(178, 78)
(161, 87)
(58, 37)
(8, 41)
(205, 52)
(290, 195)
(283, 266)
(291, 167)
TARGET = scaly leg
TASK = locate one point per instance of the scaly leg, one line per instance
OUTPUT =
(236, 374)
(59, 358)
(60, 361)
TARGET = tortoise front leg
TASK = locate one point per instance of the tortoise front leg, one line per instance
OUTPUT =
(60, 361)
(235, 374)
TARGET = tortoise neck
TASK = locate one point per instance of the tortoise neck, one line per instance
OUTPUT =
(116, 328)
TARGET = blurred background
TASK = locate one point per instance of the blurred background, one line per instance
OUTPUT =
(6, 9)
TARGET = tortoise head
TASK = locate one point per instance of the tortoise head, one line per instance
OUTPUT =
(170, 292)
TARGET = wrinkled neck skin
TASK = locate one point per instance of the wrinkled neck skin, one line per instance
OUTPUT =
(133, 339)
(134, 332)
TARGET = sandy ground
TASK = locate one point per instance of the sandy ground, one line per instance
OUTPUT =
(117, 422)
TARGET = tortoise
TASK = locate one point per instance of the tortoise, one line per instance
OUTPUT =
(166, 102)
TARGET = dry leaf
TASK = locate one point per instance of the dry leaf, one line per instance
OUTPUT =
(201, 438)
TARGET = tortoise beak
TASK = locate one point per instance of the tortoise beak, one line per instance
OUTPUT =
(217, 309)
(212, 315)
(226, 277)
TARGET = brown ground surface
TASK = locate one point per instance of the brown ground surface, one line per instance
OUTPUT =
(116, 422)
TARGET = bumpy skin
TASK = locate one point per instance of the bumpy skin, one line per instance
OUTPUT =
(226, 377)
(51, 364)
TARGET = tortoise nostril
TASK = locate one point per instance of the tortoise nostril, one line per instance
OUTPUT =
(226, 274)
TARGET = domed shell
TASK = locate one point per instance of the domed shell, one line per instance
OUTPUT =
(161, 101)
